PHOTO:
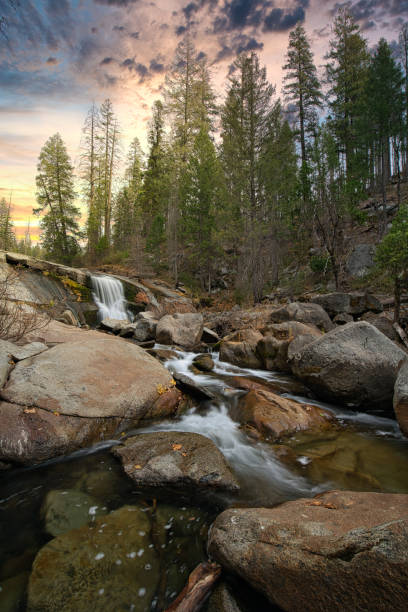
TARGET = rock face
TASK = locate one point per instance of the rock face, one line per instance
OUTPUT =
(354, 364)
(274, 347)
(348, 303)
(176, 460)
(401, 398)
(361, 260)
(275, 417)
(77, 393)
(92, 568)
(340, 551)
(304, 313)
(240, 349)
(184, 330)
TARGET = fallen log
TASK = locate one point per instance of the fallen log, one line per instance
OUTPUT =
(199, 586)
(401, 334)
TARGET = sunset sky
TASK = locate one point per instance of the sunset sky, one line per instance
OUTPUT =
(58, 56)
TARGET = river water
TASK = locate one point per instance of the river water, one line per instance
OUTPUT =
(366, 452)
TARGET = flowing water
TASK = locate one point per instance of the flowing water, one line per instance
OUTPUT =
(108, 295)
(160, 540)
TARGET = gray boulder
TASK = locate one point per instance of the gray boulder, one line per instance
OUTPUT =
(183, 330)
(240, 349)
(307, 313)
(401, 398)
(355, 365)
(176, 460)
(114, 325)
(361, 260)
(340, 551)
(204, 362)
(274, 347)
(348, 303)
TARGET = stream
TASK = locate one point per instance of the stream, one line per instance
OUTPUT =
(366, 452)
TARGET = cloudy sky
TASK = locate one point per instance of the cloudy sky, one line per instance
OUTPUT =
(58, 56)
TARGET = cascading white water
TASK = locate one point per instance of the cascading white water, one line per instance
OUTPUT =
(109, 297)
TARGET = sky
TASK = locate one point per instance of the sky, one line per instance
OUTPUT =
(57, 57)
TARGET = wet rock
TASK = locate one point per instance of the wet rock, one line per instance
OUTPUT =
(163, 354)
(114, 325)
(65, 510)
(105, 566)
(343, 319)
(209, 336)
(204, 362)
(176, 460)
(280, 385)
(340, 551)
(307, 313)
(401, 398)
(13, 593)
(273, 348)
(354, 364)
(240, 349)
(190, 385)
(223, 600)
(183, 330)
(276, 417)
(76, 393)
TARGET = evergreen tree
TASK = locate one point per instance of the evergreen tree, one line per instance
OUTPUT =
(55, 197)
(385, 107)
(201, 194)
(89, 175)
(346, 74)
(108, 152)
(392, 255)
(302, 88)
(245, 129)
(7, 236)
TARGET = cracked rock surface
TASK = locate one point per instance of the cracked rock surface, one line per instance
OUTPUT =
(339, 551)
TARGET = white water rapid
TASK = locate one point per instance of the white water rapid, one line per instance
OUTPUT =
(109, 297)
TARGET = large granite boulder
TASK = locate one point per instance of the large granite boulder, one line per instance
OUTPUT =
(401, 398)
(240, 349)
(355, 365)
(103, 566)
(183, 330)
(273, 348)
(275, 417)
(310, 314)
(177, 461)
(77, 393)
(339, 551)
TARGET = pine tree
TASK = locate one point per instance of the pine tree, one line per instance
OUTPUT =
(55, 197)
(89, 174)
(385, 107)
(7, 236)
(302, 88)
(346, 74)
(201, 194)
(109, 152)
(245, 129)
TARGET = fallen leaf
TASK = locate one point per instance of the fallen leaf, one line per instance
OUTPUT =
(137, 467)
(184, 454)
(56, 413)
(30, 410)
(315, 503)
(176, 447)
(330, 506)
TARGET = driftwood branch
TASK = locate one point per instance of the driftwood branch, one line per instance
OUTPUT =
(199, 586)
(401, 334)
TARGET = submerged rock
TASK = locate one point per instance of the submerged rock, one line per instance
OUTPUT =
(304, 313)
(108, 565)
(176, 460)
(276, 417)
(183, 330)
(69, 509)
(354, 364)
(340, 551)
(240, 349)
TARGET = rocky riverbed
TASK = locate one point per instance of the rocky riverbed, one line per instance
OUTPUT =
(116, 459)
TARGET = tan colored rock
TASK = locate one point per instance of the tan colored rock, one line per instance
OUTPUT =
(274, 347)
(339, 551)
(276, 417)
(240, 349)
(183, 330)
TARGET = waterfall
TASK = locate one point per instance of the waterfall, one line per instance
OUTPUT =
(109, 297)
